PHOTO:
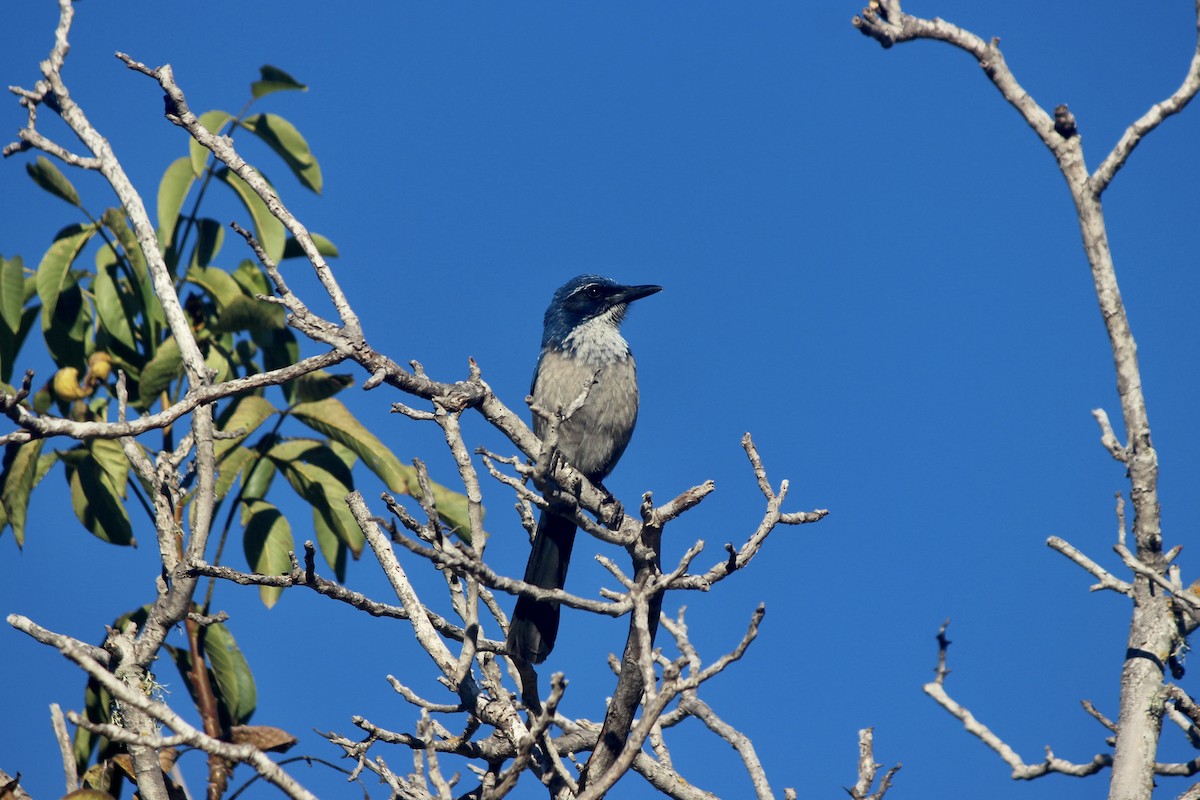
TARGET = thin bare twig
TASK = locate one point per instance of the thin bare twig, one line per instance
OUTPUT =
(1106, 579)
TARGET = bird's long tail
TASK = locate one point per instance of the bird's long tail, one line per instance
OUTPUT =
(534, 625)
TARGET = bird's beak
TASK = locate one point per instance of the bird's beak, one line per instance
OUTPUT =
(628, 294)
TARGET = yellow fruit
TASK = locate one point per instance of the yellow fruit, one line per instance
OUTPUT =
(99, 367)
(66, 384)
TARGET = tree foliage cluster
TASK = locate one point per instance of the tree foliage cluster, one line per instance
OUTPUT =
(92, 298)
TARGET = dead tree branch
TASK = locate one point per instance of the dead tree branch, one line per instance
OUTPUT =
(1152, 630)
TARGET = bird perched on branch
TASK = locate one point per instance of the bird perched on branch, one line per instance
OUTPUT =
(582, 349)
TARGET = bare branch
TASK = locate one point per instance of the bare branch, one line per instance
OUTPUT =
(133, 698)
(772, 517)
(420, 702)
(1185, 600)
(1107, 580)
(1020, 770)
(887, 24)
(307, 577)
(463, 561)
(867, 769)
(736, 739)
(1051, 764)
(422, 629)
(1152, 628)
(70, 770)
(35, 426)
(1108, 438)
(1150, 120)
(1099, 717)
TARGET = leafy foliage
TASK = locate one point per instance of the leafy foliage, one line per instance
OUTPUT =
(101, 318)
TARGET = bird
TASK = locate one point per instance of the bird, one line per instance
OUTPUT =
(581, 345)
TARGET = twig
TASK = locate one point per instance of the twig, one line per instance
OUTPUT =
(737, 740)
(1150, 120)
(70, 770)
(1108, 438)
(1098, 716)
(306, 577)
(1106, 579)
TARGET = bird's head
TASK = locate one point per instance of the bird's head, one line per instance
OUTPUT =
(586, 298)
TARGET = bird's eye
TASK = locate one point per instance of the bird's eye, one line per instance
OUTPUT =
(592, 290)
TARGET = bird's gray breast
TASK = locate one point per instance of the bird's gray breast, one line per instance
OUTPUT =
(594, 437)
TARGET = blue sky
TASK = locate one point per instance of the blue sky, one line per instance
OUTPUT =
(869, 262)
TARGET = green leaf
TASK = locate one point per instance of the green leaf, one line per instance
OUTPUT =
(282, 137)
(324, 247)
(322, 477)
(316, 453)
(333, 419)
(17, 481)
(109, 455)
(115, 305)
(279, 349)
(210, 235)
(252, 279)
(172, 191)
(245, 414)
(258, 481)
(274, 80)
(43, 400)
(244, 352)
(348, 531)
(231, 672)
(320, 385)
(332, 548)
(217, 282)
(160, 371)
(348, 456)
(15, 319)
(114, 219)
(12, 291)
(249, 313)
(230, 467)
(66, 328)
(146, 303)
(327, 495)
(267, 540)
(53, 273)
(48, 176)
(97, 504)
(43, 466)
(97, 705)
(217, 361)
(214, 121)
(268, 230)
(142, 300)
(235, 310)
(12, 344)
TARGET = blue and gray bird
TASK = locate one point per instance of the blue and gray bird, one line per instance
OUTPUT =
(581, 343)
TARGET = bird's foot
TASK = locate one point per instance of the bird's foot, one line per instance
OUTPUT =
(611, 511)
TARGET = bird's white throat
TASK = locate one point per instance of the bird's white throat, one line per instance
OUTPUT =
(598, 341)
